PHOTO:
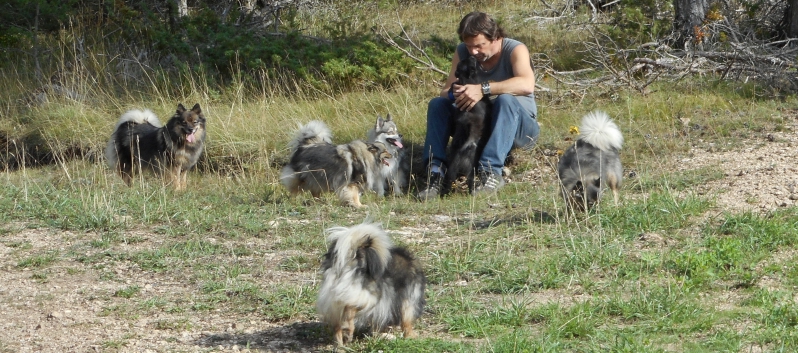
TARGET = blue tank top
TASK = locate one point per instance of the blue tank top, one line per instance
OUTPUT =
(502, 71)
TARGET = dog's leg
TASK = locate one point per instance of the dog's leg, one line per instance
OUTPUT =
(355, 194)
(613, 182)
(379, 184)
(396, 182)
(183, 176)
(407, 321)
(174, 177)
(350, 195)
(126, 169)
(349, 318)
(179, 179)
(338, 334)
(407, 328)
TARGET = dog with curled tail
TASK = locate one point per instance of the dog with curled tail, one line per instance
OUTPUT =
(368, 283)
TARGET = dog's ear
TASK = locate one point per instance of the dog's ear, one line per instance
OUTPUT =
(180, 108)
(196, 109)
(472, 67)
(461, 67)
(374, 265)
(373, 148)
(379, 122)
(388, 117)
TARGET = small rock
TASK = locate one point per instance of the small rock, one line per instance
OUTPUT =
(793, 197)
(55, 315)
(387, 336)
(442, 218)
(650, 237)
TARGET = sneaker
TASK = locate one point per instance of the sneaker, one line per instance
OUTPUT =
(433, 189)
(488, 183)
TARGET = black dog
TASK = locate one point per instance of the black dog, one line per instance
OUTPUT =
(470, 135)
(140, 141)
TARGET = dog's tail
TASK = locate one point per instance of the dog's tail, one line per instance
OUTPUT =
(289, 179)
(135, 116)
(368, 240)
(598, 130)
(311, 133)
(139, 117)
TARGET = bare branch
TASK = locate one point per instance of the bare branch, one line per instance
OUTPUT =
(430, 65)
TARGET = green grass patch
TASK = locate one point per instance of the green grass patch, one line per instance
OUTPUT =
(39, 261)
(128, 292)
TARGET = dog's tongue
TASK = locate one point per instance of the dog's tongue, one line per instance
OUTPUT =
(190, 138)
(398, 144)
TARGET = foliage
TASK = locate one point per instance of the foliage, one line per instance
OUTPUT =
(221, 44)
(22, 17)
(639, 21)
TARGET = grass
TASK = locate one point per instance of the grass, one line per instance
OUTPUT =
(665, 271)
(501, 278)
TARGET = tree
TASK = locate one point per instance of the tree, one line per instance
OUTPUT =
(182, 8)
(688, 14)
(790, 22)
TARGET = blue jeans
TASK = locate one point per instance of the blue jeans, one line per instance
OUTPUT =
(512, 126)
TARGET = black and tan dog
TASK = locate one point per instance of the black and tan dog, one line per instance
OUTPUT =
(368, 283)
(140, 141)
(469, 137)
(316, 165)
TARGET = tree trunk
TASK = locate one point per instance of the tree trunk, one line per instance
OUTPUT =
(182, 8)
(689, 14)
(790, 23)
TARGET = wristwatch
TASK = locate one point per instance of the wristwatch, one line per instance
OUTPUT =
(485, 89)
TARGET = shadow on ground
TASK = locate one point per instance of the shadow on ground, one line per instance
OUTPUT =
(534, 216)
(297, 337)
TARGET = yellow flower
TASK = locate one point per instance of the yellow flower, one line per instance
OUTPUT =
(573, 130)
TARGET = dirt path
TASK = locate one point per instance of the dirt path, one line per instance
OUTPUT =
(760, 177)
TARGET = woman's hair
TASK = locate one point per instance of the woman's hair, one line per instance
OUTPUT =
(477, 23)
